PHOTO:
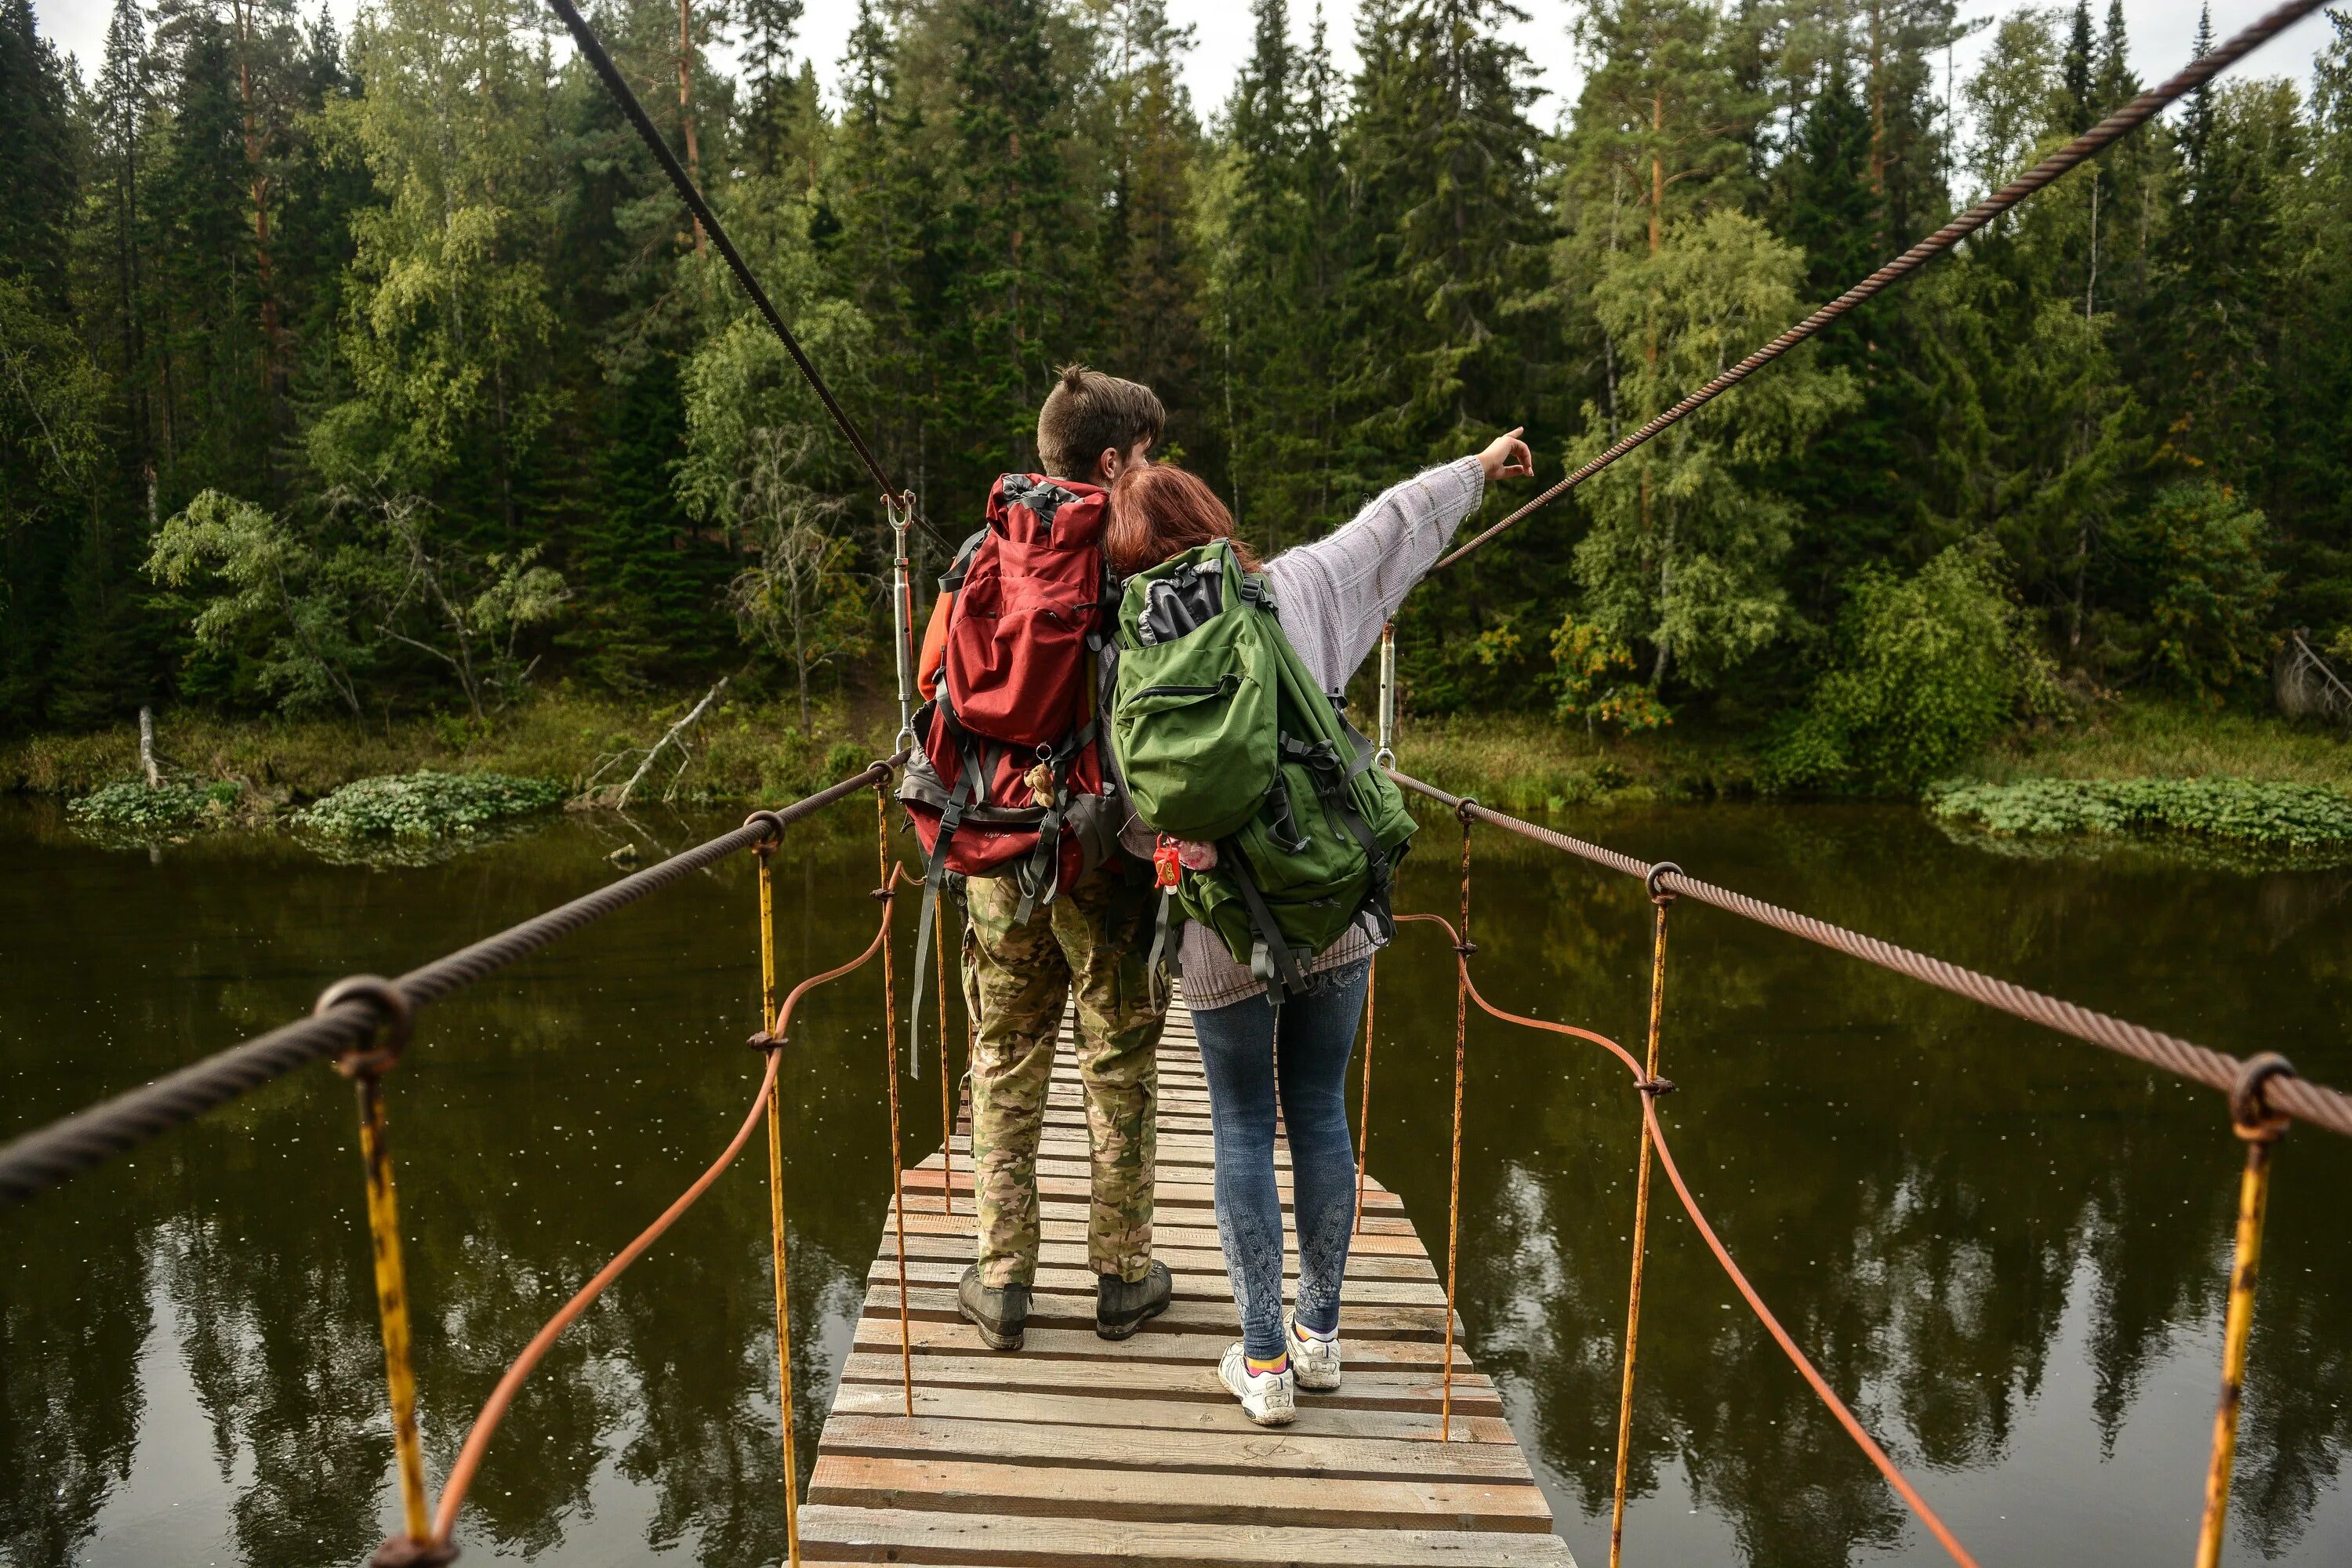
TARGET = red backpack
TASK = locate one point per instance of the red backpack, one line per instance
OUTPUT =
(1008, 781)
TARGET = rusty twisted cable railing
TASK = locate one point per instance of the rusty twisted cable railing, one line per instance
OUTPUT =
(1656, 1139)
(49, 1156)
(2089, 144)
(2299, 1098)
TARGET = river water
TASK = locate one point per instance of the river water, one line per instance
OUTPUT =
(2006, 1248)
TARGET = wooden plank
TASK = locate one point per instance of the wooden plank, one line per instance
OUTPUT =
(1288, 1452)
(967, 1485)
(832, 1534)
(1193, 1284)
(1061, 1310)
(1191, 1258)
(884, 1400)
(1368, 1388)
(929, 1336)
(1394, 1237)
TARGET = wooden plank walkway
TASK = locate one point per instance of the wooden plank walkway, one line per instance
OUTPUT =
(1079, 1452)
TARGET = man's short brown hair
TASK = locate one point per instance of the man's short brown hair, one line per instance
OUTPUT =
(1089, 412)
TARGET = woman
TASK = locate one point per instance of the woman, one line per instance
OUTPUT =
(1335, 595)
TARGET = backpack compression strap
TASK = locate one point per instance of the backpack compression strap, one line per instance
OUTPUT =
(1331, 782)
(935, 869)
(1269, 935)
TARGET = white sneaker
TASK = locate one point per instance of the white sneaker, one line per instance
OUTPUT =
(1266, 1397)
(1314, 1361)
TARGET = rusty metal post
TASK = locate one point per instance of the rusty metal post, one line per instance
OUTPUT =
(1364, 1116)
(2254, 1122)
(1461, 1059)
(888, 892)
(366, 1068)
(1651, 1085)
(947, 1090)
(900, 510)
(769, 1004)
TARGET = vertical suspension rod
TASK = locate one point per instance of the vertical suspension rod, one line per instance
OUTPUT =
(365, 1068)
(947, 1091)
(1364, 1116)
(1651, 1085)
(1461, 1059)
(2261, 1128)
(886, 892)
(769, 1004)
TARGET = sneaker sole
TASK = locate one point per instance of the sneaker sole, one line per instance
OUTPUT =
(1116, 1330)
(1271, 1418)
(1330, 1387)
(990, 1337)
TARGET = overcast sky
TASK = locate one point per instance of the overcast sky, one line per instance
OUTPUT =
(2161, 35)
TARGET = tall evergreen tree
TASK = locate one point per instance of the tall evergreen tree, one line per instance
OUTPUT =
(1017, 229)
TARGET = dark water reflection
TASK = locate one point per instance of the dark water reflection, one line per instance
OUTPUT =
(2007, 1250)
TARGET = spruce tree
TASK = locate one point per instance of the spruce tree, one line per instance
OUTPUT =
(1017, 230)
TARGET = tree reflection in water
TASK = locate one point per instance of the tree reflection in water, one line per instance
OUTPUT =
(2007, 1248)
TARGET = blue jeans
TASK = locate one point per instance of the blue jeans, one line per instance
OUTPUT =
(1238, 1052)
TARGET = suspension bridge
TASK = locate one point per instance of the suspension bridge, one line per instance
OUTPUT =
(935, 1454)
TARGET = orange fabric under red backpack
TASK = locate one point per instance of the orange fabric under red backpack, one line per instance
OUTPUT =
(1008, 779)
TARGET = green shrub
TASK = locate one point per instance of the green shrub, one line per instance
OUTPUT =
(131, 808)
(844, 759)
(1927, 669)
(2197, 553)
(2239, 811)
(427, 805)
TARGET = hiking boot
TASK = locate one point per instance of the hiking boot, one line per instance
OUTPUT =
(1122, 1307)
(1266, 1397)
(1315, 1362)
(1000, 1316)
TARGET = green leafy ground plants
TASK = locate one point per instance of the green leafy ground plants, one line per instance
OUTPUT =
(131, 809)
(2295, 819)
(426, 806)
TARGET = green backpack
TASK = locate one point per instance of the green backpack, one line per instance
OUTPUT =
(1222, 736)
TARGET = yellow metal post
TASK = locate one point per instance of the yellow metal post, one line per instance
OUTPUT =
(2261, 1130)
(366, 1068)
(768, 1005)
(1660, 899)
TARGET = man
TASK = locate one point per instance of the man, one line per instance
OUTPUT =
(1095, 936)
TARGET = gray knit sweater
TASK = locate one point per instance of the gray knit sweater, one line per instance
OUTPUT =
(1334, 595)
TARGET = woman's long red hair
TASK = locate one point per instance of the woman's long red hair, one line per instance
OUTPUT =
(1157, 510)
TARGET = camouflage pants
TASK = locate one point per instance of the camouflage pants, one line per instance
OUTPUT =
(1017, 981)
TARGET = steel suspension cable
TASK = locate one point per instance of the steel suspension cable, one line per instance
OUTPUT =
(1656, 1138)
(2114, 128)
(615, 83)
(52, 1156)
(494, 1410)
(2296, 1096)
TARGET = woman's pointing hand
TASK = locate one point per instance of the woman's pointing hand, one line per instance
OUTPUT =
(1508, 457)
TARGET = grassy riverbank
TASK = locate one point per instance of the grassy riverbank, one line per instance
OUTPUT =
(741, 750)
(747, 750)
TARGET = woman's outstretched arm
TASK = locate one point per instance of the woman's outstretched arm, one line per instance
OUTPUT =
(1336, 593)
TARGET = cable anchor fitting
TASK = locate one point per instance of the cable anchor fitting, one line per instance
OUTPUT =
(395, 1022)
(1654, 1086)
(2250, 1116)
(772, 830)
(1658, 872)
(1467, 808)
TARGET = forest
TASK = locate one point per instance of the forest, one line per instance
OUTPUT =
(382, 375)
